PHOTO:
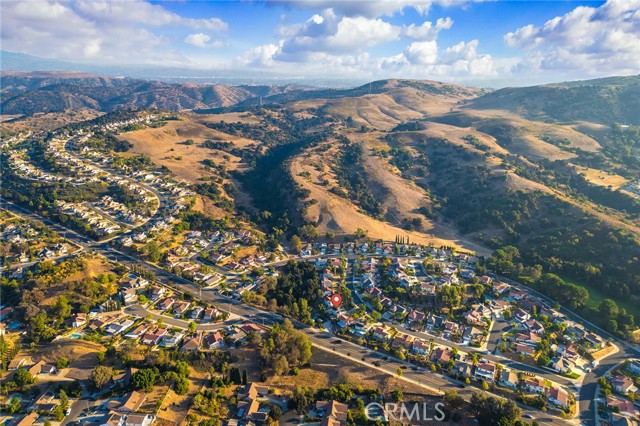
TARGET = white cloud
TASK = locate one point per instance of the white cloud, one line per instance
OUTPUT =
(422, 52)
(330, 34)
(140, 11)
(427, 31)
(202, 41)
(595, 41)
(114, 31)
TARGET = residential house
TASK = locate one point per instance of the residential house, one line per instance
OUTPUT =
(250, 327)
(420, 347)
(165, 304)
(463, 369)
(500, 288)
(534, 385)
(210, 314)
(622, 384)
(472, 335)
(153, 337)
(534, 326)
(79, 320)
(172, 339)
(562, 365)
(113, 419)
(195, 312)
(253, 391)
(137, 332)
(508, 378)
(440, 355)
(485, 370)
(558, 397)
(402, 341)
(192, 343)
(380, 333)
(332, 412)
(594, 340)
(345, 320)
(132, 402)
(139, 419)
(522, 349)
(623, 406)
(527, 337)
(214, 341)
(634, 366)
(180, 308)
(118, 327)
(416, 317)
(521, 315)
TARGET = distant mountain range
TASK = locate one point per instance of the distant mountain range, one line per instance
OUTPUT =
(604, 101)
(42, 91)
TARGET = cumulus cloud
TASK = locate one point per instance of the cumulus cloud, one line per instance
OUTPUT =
(329, 33)
(594, 40)
(422, 52)
(114, 31)
(202, 41)
(428, 31)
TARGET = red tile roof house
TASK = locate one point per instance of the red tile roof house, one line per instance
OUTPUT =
(416, 316)
(534, 385)
(558, 397)
(622, 384)
(521, 348)
(485, 370)
(535, 327)
(214, 341)
(165, 304)
(210, 314)
(332, 409)
(192, 343)
(380, 333)
(625, 406)
(179, 308)
(153, 338)
(528, 338)
(440, 355)
(420, 347)
(402, 341)
(521, 315)
(252, 328)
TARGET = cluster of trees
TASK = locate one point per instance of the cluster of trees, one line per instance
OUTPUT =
(492, 411)
(298, 290)
(284, 348)
(352, 176)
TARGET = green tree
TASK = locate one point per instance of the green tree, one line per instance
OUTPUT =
(491, 411)
(182, 386)
(295, 244)
(64, 400)
(100, 376)
(144, 379)
(22, 377)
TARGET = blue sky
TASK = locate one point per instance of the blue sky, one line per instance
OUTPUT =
(473, 42)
